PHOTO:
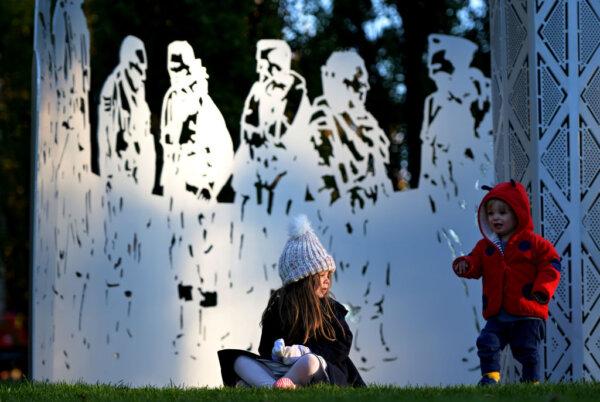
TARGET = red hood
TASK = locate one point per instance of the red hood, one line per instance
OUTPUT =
(515, 195)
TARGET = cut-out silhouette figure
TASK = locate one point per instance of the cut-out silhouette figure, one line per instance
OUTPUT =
(125, 142)
(354, 150)
(454, 157)
(274, 109)
(198, 151)
(198, 158)
(127, 159)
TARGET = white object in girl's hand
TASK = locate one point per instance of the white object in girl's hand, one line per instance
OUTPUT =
(287, 354)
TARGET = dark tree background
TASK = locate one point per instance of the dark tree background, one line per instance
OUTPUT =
(16, 49)
(223, 34)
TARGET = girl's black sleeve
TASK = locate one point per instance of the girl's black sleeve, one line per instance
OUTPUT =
(271, 331)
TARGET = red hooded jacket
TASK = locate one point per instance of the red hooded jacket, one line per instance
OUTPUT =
(530, 264)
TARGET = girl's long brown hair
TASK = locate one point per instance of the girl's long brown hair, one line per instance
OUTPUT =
(303, 314)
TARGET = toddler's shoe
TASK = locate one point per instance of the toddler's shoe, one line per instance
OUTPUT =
(491, 378)
(284, 383)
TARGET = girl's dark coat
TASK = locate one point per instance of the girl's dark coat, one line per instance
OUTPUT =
(340, 369)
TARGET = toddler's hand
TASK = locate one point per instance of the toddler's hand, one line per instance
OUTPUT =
(540, 297)
(461, 267)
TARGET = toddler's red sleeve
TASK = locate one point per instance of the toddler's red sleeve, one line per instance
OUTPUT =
(548, 270)
(474, 260)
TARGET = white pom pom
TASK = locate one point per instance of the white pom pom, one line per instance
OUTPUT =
(299, 226)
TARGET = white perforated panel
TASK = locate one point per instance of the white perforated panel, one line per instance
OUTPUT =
(561, 163)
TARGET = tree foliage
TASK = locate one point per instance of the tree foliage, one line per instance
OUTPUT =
(16, 25)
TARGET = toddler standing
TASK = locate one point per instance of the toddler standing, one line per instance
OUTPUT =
(520, 271)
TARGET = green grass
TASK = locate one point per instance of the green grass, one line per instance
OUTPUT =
(28, 391)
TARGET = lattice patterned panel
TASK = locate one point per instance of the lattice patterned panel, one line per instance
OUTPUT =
(554, 218)
(588, 40)
(510, 367)
(557, 161)
(591, 316)
(557, 344)
(551, 95)
(588, 375)
(565, 56)
(590, 158)
(499, 155)
(496, 37)
(591, 221)
(589, 37)
(519, 160)
(497, 79)
(553, 33)
(556, 350)
(591, 95)
(515, 33)
(562, 302)
(496, 100)
(591, 286)
(519, 97)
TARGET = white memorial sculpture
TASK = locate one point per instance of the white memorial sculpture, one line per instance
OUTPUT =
(127, 165)
(446, 154)
(198, 157)
(198, 147)
(354, 150)
(275, 110)
(454, 158)
(124, 120)
(134, 287)
(62, 220)
(126, 148)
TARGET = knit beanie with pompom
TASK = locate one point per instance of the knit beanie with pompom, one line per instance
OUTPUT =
(303, 254)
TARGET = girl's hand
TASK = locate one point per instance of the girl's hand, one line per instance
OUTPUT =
(461, 267)
(287, 354)
(278, 350)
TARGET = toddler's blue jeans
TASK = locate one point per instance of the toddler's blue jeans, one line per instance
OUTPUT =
(523, 336)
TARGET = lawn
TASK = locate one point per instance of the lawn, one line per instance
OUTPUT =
(28, 391)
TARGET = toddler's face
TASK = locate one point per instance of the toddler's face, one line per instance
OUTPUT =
(501, 218)
(323, 284)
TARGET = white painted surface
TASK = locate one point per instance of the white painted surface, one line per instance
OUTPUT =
(113, 262)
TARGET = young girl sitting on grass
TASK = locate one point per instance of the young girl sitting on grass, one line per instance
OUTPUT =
(305, 338)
